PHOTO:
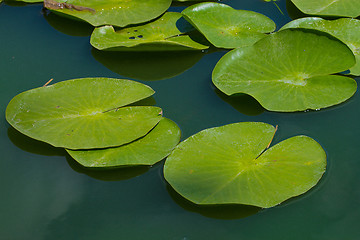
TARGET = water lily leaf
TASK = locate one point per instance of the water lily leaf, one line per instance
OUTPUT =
(160, 35)
(84, 113)
(113, 12)
(346, 8)
(289, 71)
(345, 29)
(228, 165)
(226, 27)
(148, 150)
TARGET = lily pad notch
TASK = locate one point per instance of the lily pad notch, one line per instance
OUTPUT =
(232, 164)
(290, 70)
(226, 27)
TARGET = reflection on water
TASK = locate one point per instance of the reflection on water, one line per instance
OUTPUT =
(231, 211)
(110, 174)
(148, 66)
(31, 145)
(68, 26)
(242, 102)
(15, 3)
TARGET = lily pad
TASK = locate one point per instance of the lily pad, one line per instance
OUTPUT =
(345, 29)
(345, 8)
(113, 12)
(226, 27)
(84, 113)
(148, 150)
(160, 35)
(232, 165)
(289, 71)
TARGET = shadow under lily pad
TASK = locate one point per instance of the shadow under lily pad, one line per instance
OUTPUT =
(68, 26)
(244, 103)
(147, 66)
(108, 174)
(31, 145)
(226, 212)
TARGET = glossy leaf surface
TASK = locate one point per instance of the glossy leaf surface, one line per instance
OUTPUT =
(226, 27)
(113, 12)
(289, 71)
(160, 35)
(148, 150)
(227, 165)
(84, 113)
(345, 29)
(346, 8)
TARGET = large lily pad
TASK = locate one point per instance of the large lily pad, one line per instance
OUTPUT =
(346, 8)
(345, 29)
(228, 165)
(289, 71)
(160, 35)
(84, 113)
(148, 150)
(113, 12)
(226, 27)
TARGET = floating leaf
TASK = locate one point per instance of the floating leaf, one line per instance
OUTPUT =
(345, 29)
(84, 113)
(346, 8)
(226, 27)
(288, 71)
(113, 12)
(160, 35)
(228, 165)
(153, 147)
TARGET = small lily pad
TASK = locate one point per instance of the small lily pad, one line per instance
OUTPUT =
(226, 27)
(345, 8)
(232, 165)
(289, 71)
(84, 113)
(160, 35)
(345, 29)
(113, 12)
(148, 150)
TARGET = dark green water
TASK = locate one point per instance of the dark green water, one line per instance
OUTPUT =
(46, 195)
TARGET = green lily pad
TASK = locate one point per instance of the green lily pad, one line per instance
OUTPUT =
(148, 150)
(345, 8)
(113, 12)
(84, 113)
(289, 71)
(160, 35)
(345, 29)
(226, 27)
(232, 165)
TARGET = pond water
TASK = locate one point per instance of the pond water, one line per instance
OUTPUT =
(46, 195)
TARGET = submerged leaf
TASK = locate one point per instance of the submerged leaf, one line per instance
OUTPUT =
(289, 71)
(113, 12)
(226, 27)
(160, 35)
(346, 8)
(84, 113)
(148, 150)
(228, 165)
(345, 29)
